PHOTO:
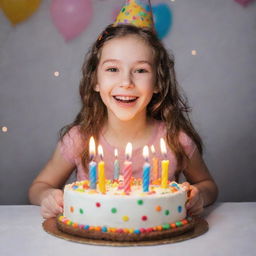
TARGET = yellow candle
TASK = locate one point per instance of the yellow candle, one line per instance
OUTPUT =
(165, 165)
(164, 181)
(101, 171)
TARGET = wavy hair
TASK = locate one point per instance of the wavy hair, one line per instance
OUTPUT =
(168, 105)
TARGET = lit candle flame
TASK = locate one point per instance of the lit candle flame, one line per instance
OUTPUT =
(92, 148)
(153, 149)
(163, 147)
(116, 152)
(146, 153)
(128, 151)
(100, 152)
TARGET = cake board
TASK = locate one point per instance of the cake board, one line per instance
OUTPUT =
(200, 227)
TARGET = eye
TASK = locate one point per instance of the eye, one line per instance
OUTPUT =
(112, 69)
(141, 70)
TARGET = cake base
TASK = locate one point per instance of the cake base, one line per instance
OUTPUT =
(199, 227)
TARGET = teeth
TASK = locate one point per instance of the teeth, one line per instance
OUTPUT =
(125, 98)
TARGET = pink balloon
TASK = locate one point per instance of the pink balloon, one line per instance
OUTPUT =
(71, 17)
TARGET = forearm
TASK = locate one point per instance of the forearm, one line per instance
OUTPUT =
(208, 190)
(38, 191)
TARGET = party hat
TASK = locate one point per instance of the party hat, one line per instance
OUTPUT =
(137, 13)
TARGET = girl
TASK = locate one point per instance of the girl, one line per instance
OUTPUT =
(129, 93)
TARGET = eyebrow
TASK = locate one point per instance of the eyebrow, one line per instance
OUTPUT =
(116, 60)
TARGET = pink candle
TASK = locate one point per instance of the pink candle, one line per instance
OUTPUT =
(154, 174)
(127, 172)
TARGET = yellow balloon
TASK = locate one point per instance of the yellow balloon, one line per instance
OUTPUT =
(19, 10)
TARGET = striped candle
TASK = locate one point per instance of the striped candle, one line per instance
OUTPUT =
(127, 171)
(116, 166)
(146, 170)
(92, 164)
(92, 174)
(154, 173)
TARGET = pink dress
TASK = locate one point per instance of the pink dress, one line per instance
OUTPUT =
(72, 146)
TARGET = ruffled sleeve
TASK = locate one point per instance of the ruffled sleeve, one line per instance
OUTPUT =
(71, 145)
(188, 144)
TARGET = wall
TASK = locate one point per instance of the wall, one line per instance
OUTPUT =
(219, 82)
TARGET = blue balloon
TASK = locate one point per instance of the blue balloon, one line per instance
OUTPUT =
(162, 19)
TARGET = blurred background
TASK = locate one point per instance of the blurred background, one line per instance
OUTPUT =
(42, 47)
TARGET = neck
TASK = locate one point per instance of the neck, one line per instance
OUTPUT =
(137, 131)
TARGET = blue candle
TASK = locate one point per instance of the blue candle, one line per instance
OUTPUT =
(146, 170)
(116, 166)
(92, 164)
(93, 174)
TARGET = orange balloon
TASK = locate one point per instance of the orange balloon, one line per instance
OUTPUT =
(19, 10)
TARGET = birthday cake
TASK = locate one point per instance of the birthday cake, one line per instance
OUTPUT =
(120, 216)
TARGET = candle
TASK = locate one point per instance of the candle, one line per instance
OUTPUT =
(127, 172)
(165, 165)
(154, 164)
(101, 171)
(146, 170)
(116, 165)
(92, 164)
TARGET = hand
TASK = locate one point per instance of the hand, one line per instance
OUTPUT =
(52, 204)
(195, 204)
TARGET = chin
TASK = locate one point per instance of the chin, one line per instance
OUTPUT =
(124, 116)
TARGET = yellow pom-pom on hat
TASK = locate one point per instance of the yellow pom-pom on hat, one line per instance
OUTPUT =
(137, 13)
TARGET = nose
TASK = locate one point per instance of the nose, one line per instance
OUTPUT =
(127, 80)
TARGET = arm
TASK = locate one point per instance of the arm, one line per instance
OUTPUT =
(203, 189)
(46, 188)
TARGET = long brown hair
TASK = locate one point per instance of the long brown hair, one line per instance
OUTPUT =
(167, 105)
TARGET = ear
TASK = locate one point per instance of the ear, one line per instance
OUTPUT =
(156, 90)
(97, 88)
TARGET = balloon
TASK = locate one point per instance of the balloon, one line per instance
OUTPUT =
(71, 17)
(162, 18)
(19, 10)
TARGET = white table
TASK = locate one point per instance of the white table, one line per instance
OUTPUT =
(232, 231)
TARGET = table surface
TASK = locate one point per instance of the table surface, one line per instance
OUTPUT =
(232, 231)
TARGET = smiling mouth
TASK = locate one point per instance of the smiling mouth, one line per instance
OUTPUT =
(125, 99)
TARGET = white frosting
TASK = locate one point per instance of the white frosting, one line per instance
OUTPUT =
(114, 209)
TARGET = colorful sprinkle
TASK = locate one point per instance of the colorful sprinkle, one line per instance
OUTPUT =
(184, 222)
(125, 230)
(71, 209)
(158, 208)
(75, 225)
(166, 212)
(140, 202)
(113, 210)
(97, 204)
(142, 230)
(81, 211)
(104, 229)
(97, 228)
(173, 225)
(125, 218)
(166, 226)
(178, 223)
(179, 208)
(144, 218)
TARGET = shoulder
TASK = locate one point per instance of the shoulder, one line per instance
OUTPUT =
(187, 142)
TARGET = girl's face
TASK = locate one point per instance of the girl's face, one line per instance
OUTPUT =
(126, 77)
